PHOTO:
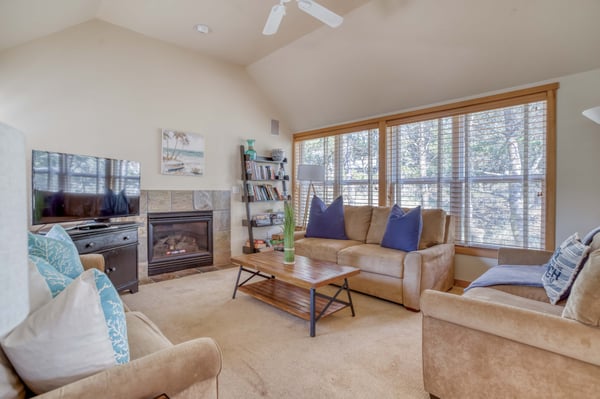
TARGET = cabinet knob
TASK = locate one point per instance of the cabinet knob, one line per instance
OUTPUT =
(90, 245)
(125, 238)
(110, 270)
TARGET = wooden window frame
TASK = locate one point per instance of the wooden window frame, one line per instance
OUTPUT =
(545, 92)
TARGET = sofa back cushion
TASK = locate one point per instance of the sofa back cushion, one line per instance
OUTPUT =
(357, 220)
(379, 219)
(434, 227)
(583, 303)
(433, 232)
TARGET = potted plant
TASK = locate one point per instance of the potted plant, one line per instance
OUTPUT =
(289, 226)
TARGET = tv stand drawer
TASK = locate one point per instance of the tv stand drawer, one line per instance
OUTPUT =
(105, 240)
(118, 244)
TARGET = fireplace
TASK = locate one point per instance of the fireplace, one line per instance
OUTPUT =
(179, 240)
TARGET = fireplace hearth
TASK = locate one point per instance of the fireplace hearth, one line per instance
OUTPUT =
(179, 240)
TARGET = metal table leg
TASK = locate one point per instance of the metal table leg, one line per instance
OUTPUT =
(312, 312)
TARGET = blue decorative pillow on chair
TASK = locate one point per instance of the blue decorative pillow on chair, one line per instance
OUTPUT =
(326, 222)
(403, 230)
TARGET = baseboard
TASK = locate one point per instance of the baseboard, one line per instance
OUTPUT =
(461, 283)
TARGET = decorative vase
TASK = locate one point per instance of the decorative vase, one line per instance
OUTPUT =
(277, 154)
(250, 151)
(288, 253)
(289, 225)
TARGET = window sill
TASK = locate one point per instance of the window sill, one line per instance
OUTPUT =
(480, 252)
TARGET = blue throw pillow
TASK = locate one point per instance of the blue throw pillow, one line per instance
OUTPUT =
(403, 230)
(58, 249)
(326, 222)
(563, 267)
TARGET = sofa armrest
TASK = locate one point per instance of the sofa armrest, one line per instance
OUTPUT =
(430, 268)
(521, 256)
(187, 370)
(537, 329)
(90, 261)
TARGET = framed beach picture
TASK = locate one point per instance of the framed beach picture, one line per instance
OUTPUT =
(182, 153)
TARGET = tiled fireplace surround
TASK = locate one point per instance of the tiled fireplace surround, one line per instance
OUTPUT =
(172, 201)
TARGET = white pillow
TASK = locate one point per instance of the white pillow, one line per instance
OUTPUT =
(78, 333)
(45, 282)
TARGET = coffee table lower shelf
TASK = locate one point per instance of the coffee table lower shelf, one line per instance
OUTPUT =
(290, 298)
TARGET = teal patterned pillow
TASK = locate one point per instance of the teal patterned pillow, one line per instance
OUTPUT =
(60, 253)
(55, 280)
(563, 267)
(114, 314)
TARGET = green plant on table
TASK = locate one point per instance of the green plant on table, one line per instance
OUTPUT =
(289, 226)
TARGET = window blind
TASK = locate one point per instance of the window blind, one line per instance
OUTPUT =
(351, 161)
(486, 167)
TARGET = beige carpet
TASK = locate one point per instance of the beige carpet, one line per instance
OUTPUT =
(268, 353)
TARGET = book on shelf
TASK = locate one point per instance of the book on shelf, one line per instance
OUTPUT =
(257, 171)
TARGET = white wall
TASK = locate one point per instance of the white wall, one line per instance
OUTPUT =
(102, 90)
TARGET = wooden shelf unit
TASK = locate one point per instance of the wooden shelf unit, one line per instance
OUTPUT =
(260, 172)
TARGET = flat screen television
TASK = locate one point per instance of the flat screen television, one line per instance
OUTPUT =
(70, 188)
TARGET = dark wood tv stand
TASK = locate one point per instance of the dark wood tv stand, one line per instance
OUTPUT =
(118, 244)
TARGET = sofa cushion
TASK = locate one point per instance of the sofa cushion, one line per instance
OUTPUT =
(60, 253)
(583, 303)
(357, 220)
(78, 333)
(379, 219)
(563, 268)
(143, 336)
(374, 259)
(322, 248)
(403, 230)
(434, 227)
(326, 221)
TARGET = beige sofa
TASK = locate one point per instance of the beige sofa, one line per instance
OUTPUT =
(188, 370)
(508, 342)
(386, 273)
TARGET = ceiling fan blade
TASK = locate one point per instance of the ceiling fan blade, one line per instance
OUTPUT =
(321, 13)
(274, 19)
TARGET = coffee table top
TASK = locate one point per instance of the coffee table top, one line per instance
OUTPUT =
(306, 272)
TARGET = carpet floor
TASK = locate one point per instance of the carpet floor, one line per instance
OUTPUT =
(268, 353)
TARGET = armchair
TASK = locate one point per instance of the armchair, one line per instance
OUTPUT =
(188, 370)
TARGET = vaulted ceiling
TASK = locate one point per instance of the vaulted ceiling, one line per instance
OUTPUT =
(387, 56)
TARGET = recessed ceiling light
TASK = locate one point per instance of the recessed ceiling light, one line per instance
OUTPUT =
(202, 28)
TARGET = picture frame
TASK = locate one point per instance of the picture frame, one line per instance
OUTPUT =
(182, 153)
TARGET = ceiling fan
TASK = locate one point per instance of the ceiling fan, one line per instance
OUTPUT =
(310, 7)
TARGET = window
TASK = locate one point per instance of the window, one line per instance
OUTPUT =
(490, 162)
(487, 168)
(351, 163)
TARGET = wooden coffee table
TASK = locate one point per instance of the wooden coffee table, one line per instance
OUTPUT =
(293, 288)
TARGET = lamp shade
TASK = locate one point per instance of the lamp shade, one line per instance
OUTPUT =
(311, 173)
(14, 292)
(593, 114)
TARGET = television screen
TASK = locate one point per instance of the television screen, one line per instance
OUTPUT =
(69, 187)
